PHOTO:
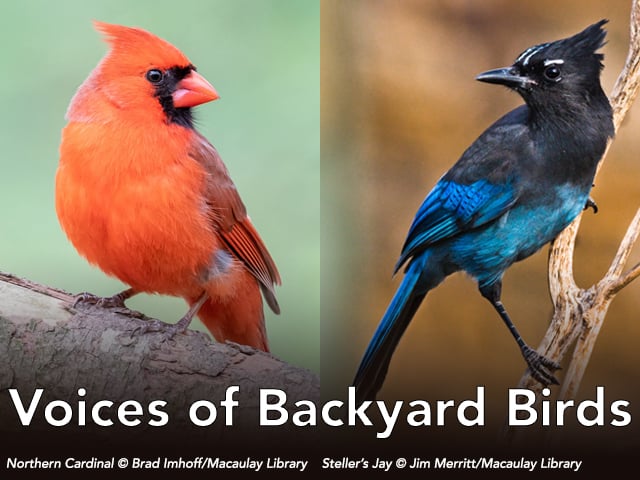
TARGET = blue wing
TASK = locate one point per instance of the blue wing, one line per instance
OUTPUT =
(452, 208)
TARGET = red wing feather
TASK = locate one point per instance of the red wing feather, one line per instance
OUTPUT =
(246, 244)
(229, 215)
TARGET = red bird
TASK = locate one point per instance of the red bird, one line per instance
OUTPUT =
(142, 195)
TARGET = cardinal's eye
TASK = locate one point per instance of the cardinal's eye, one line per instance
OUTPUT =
(154, 76)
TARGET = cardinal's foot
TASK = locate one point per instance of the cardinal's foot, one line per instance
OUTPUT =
(156, 326)
(116, 301)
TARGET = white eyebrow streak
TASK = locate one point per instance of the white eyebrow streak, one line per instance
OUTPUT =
(528, 53)
(553, 62)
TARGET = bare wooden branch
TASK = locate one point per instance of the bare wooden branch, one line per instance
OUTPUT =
(624, 250)
(625, 279)
(579, 313)
(46, 343)
(626, 87)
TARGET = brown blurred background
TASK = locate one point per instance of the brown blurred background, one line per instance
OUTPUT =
(399, 106)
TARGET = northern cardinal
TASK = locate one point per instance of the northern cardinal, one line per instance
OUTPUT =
(145, 197)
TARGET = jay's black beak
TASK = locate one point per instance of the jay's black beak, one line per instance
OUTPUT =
(509, 77)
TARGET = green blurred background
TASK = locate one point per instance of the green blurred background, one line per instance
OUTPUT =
(262, 57)
(400, 105)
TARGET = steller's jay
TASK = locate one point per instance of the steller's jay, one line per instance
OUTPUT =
(513, 190)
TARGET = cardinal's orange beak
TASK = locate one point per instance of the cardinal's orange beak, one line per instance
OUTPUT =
(193, 90)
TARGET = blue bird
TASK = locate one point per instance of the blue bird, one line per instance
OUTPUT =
(513, 190)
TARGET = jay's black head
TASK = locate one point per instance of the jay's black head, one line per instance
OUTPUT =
(556, 73)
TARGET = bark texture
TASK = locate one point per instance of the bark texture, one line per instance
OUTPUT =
(47, 343)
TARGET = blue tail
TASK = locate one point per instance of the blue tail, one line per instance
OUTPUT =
(375, 363)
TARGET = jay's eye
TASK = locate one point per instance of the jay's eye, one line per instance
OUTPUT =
(552, 73)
